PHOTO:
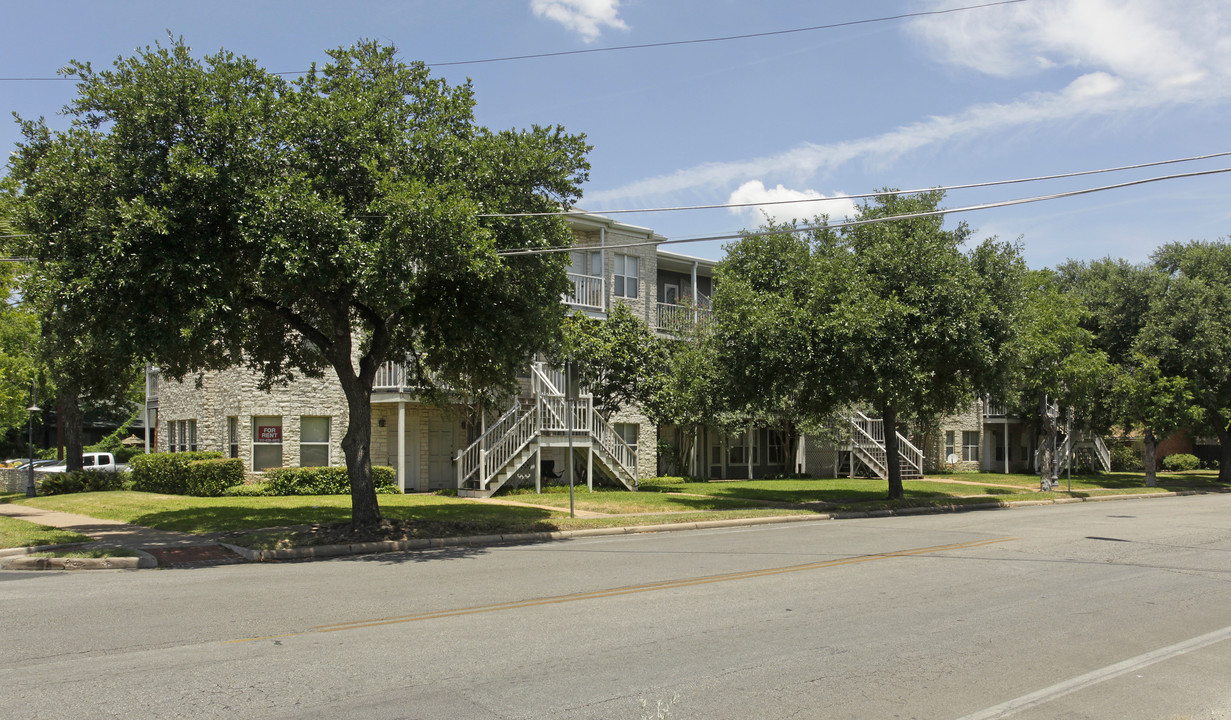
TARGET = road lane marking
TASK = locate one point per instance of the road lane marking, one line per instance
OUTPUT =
(633, 589)
(1094, 677)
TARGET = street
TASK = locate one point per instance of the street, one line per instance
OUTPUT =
(1094, 610)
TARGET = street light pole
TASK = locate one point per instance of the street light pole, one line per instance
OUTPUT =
(30, 492)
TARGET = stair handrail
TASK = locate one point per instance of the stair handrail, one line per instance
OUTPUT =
(908, 452)
(610, 441)
(545, 379)
(509, 445)
(470, 459)
(1104, 454)
(863, 442)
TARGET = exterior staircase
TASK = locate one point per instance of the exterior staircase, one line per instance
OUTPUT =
(868, 449)
(544, 419)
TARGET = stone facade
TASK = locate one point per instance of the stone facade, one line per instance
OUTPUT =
(233, 393)
(965, 425)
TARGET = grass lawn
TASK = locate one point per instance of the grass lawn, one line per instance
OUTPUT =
(19, 533)
(264, 522)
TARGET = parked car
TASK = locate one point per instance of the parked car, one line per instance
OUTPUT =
(25, 464)
(101, 461)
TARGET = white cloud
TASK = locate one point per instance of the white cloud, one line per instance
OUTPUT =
(836, 206)
(1156, 42)
(585, 17)
(1135, 55)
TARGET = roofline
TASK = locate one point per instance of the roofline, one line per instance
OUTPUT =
(594, 220)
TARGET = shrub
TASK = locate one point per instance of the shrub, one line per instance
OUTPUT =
(1123, 459)
(1180, 462)
(211, 478)
(330, 480)
(178, 474)
(81, 481)
(257, 489)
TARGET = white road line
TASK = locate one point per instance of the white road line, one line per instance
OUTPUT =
(1048, 694)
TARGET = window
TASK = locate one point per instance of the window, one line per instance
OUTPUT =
(233, 437)
(313, 441)
(629, 433)
(970, 445)
(586, 262)
(181, 435)
(738, 447)
(625, 276)
(950, 448)
(266, 442)
(775, 449)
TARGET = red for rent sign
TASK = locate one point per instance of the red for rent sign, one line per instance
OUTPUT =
(269, 433)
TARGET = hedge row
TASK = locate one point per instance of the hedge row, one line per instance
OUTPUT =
(331, 480)
(82, 481)
(203, 474)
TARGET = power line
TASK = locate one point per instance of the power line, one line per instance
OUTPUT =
(728, 37)
(853, 223)
(966, 186)
(644, 46)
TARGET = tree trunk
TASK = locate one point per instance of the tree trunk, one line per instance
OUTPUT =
(1151, 447)
(70, 421)
(889, 418)
(357, 446)
(1224, 461)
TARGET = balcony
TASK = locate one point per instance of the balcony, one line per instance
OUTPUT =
(588, 291)
(994, 408)
(673, 316)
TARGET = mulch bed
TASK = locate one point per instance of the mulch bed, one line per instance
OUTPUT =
(194, 556)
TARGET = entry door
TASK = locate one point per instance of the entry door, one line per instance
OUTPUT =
(441, 442)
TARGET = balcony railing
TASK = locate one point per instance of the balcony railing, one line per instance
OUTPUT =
(672, 316)
(994, 408)
(588, 291)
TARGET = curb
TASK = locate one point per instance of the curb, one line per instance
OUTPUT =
(14, 558)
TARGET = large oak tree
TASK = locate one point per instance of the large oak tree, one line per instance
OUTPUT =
(330, 223)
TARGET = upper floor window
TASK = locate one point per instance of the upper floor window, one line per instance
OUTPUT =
(625, 276)
(586, 262)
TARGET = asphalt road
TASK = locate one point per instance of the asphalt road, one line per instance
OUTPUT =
(1098, 610)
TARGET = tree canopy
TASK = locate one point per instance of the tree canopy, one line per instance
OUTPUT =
(338, 221)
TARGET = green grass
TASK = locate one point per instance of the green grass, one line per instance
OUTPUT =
(95, 553)
(19, 533)
(206, 515)
(617, 502)
(262, 522)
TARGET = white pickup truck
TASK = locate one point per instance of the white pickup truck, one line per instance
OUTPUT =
(103, 461)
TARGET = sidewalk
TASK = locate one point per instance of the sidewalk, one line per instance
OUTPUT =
(154, 548)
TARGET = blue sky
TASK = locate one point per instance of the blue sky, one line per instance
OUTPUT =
(1032, 88)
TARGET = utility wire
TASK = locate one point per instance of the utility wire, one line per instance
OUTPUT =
(728, 37)
(644, 46)
(869, 221)
(967, 186)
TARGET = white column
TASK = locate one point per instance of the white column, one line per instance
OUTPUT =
(402, 446)
(695, 299)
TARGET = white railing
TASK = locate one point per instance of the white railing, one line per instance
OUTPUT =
(500, 443)
(672, 316)
(621, 452)
(547, 380)
(588, 291)
(1104, 455)
(994, 408)
(868, 443)
(390, 376)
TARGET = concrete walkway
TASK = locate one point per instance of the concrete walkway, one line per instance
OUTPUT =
(111, 533)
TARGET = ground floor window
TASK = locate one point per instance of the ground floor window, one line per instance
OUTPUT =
(950, 446)
(629, 433)
(740, 448)
(313, 441)
(181, 435)
(266, 442)
(970, 445)
(775, 447)
(233, 437)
